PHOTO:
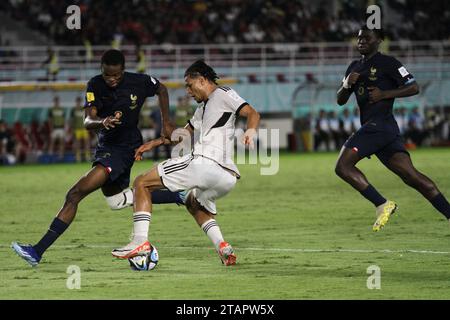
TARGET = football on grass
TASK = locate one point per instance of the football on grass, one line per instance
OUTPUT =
(145, 262)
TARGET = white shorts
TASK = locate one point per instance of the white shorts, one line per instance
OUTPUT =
(204, 177)
(58, 133)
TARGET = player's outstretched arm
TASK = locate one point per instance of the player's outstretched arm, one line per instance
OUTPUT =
(156, 143)
(252, 124)
(163, 100)
(93, 122)
(148, 146)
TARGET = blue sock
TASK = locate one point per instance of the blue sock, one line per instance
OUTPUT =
(441, 204)
(371, 194)
(56, 229)
(166, 196)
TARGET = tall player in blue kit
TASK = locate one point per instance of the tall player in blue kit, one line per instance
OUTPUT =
(113, 102)
(376, 80)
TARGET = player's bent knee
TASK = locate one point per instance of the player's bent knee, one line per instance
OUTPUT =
(138, 181)
(341, 171)
(149, 180)
(192, 204)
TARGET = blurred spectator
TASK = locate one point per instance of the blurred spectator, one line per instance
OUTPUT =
(141, 65)
(89, 53)
(436, 125)
(402, 120)
(6, 145)
(335, 131)
(22, 142)
(157, 122)
(416, 130)
(190, 22)
(57, 121)
(302, 126)
(37, 141)
(52, 65)
(7, 54)
(346, 124)
(356, 119)
(82, 139)
(446, 128)
(322, 132)
(147, 125)
(184, 111)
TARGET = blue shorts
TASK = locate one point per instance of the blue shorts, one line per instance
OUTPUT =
(370, 139)
(118, 162)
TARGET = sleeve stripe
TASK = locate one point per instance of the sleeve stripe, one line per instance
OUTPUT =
(190, 124)
(240, 107)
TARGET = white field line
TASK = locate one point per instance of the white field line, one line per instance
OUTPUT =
(290, 250)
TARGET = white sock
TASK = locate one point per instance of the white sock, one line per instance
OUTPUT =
(128, 193)
(212, 230)
(121, 200)
(141, 223)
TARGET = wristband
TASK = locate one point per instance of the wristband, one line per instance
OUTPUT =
(345, 83)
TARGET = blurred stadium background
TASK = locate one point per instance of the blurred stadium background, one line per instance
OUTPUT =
(286, 58)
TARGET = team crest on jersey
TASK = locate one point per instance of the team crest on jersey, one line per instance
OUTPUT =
(90, 96)
(133, 99)
(372, 75)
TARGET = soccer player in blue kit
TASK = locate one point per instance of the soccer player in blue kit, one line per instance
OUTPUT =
(113, 103)
(376, 80)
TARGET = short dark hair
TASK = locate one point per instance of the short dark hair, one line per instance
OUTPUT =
(113, 57)
(200, 68)
(378, 32)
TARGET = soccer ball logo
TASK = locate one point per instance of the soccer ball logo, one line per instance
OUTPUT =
(145, 262)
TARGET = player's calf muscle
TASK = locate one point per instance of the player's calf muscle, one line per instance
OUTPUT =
(74, 195)
(422, 184)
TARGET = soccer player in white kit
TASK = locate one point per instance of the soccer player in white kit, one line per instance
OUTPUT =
(206, 173)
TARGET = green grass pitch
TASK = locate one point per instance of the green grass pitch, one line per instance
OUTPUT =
(300, 234)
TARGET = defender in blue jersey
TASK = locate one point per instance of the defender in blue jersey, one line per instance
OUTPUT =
(376, 80)
(113, 102)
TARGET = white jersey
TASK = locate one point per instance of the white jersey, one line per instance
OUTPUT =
(214, 126)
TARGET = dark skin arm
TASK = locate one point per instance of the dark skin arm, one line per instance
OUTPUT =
(93, 122)
(163, 99)
(344, 94)
(376, 94)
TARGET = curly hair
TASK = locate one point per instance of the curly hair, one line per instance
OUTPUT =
(200, 68)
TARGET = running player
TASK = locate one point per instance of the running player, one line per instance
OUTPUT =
(207, 172)
(57, 122)
(113, 102)
(376, 80)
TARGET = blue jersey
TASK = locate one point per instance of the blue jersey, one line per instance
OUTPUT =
(123, 101)
(384, 72)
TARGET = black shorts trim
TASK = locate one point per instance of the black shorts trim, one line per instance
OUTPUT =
(162, 182)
